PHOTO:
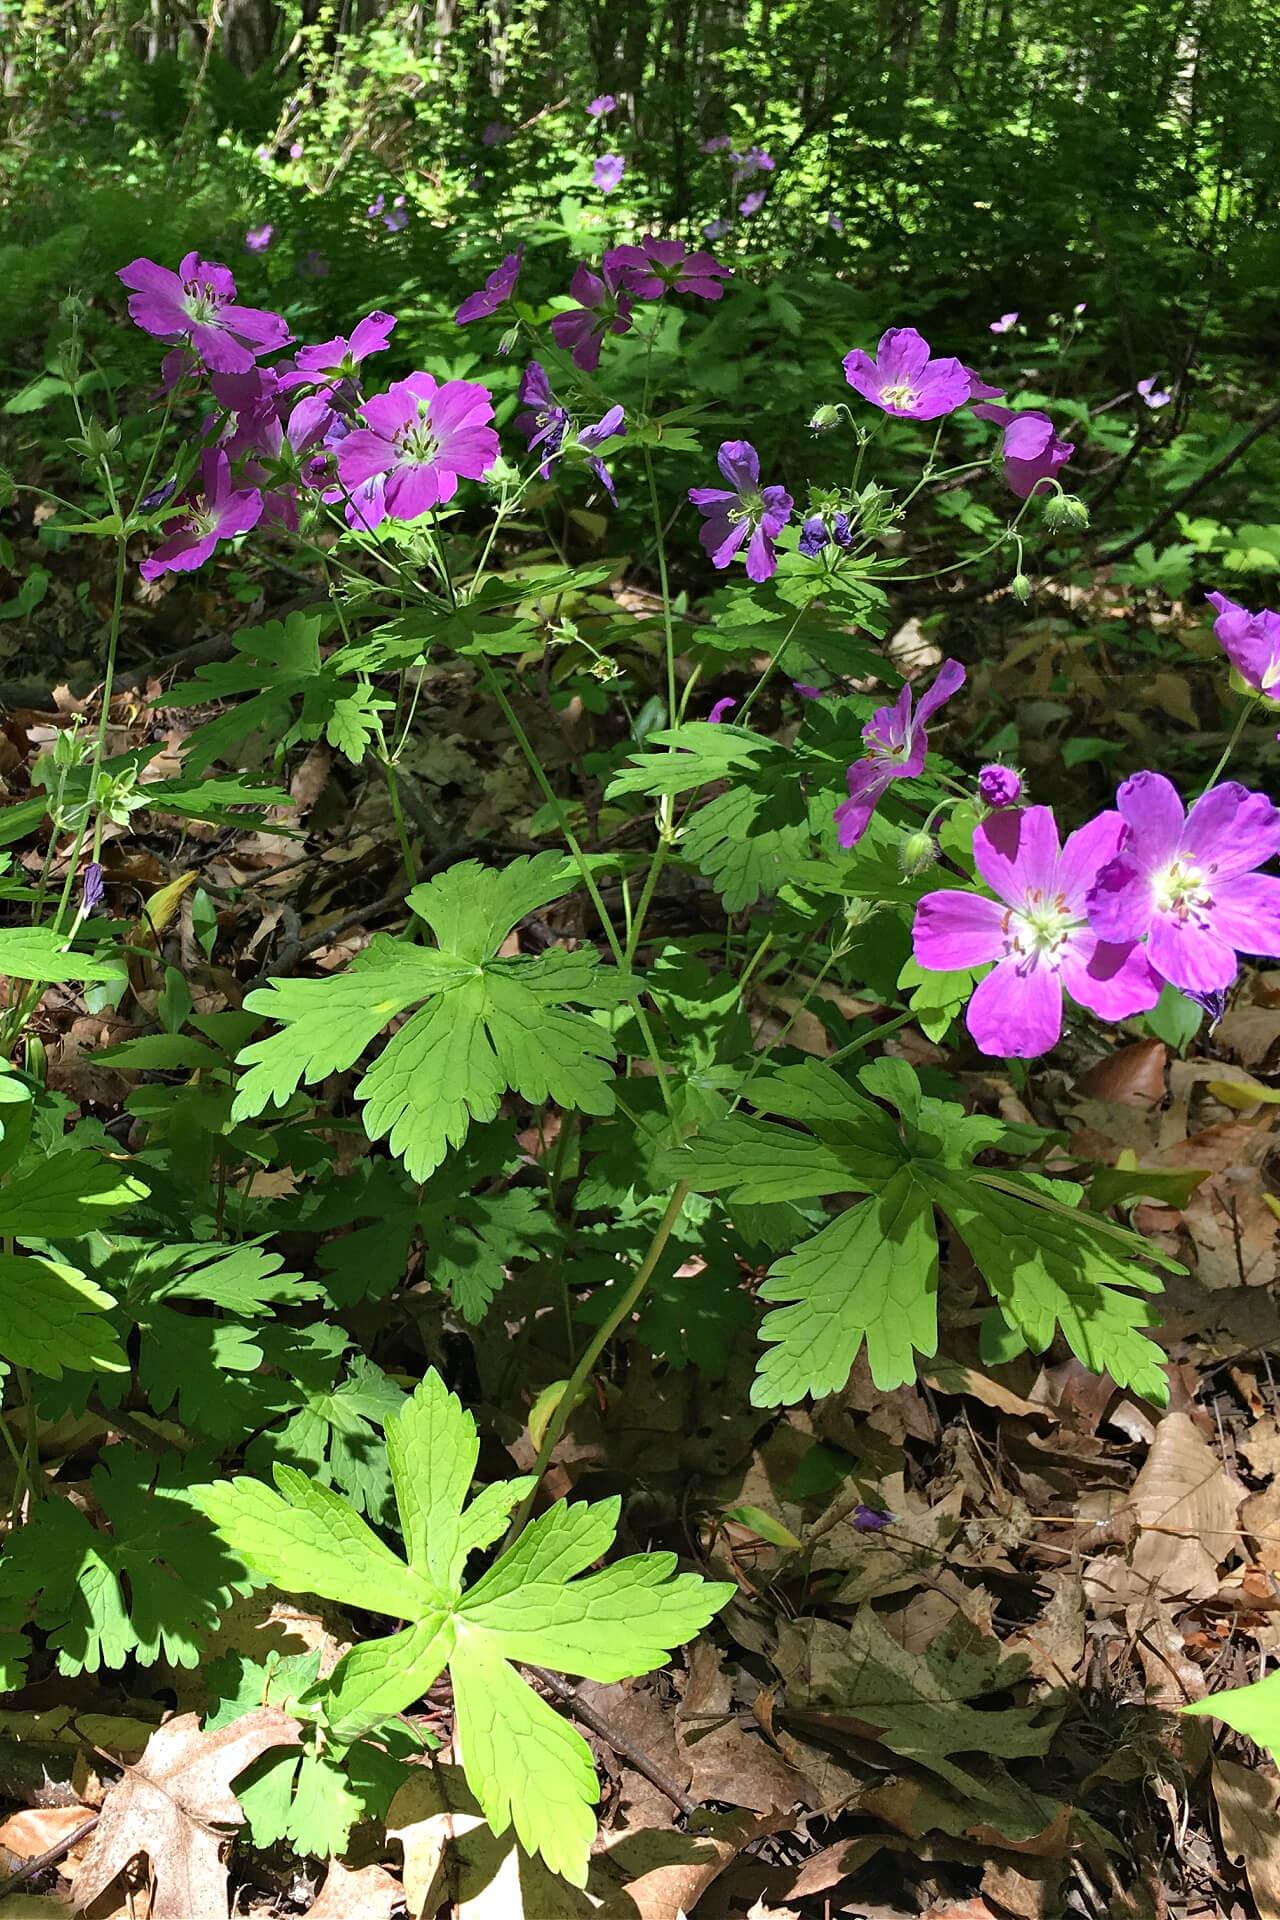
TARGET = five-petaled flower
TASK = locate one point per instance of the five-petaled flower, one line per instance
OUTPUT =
(1004, 324)
(749, 512)
(1251, 642)
(657, 266)
(1153, 393)
(751, 203)
(495, 292)
(602, 104)
(897, 743)
(219, 513)
(1037, 932)
(197, 306)
(604, 306)
(905, 380)
(1188, 881)
(341, 358)
(1031, 450)
(608, 171)
(421, 437)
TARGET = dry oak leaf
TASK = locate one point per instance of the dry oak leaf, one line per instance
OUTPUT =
(365, 1893)
(175, 1806)
(1246, 1803)
(1187, 1508)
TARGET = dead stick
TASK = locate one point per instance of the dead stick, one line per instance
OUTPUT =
(612, 1737)
(50, 1857)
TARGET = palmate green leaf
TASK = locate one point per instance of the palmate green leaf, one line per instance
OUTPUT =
(871, 1275)
(706, 752)
(66, 1195)
(745, 851)
(490, 1025)
(526, 1766)
(53, 1319)
(40, 954)
(1253, 1711)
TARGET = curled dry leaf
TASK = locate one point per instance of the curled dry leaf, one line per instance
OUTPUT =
(170, 1807)
(1187, 1509)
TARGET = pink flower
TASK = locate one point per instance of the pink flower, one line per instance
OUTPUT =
(602, 104)
(999, 786)
(1031, 450)
(724, 705)
(1037, 933)
(341, 358)
(1187, 880)
(751, 203)
(1153, 393)
(421, 438)
(1004, 324)
(1251, 642)
(197, 305)
(898, 745)
(258, 239)
(220, 513)
(905, 380)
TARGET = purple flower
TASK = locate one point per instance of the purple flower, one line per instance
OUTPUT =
(999, 786)
(715, 230)
(806, 692)
(1004, 324)
(815, 534)
(751, 203)
(1251, 642)
(91, 888)
(421, 438)
(898, 744)
(656, 267)
(313, 265)
(1187, 880)
(604, 307)
(718, 143)
(258, 239)
(589, 438)
(835, 223)
(608, 171)
(749, 512)
(220, 513)
(158, 496)
(602, 104)
(398, 218)
(870, 1519)
(719, 710)
(496, 133)
(1031, 450)
(904, 380)
(295, 151)
(1154, 395)
(544, 425)
(341, 358)
(495, 292)
(197, 305)
(375, 207)
(1036, 931)
(756, 160)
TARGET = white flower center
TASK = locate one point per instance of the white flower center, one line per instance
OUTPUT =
(1041, 928)
(901, 395)
(202, 303)
(419, 442)
(1179, 889)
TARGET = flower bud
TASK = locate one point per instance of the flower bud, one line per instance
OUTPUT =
(857, 911)
(1064, 512)
(1000, 786)
(508, 340)
(917, 852)
(824, 419)
(1021, 587)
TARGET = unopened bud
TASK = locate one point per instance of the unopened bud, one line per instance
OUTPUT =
(1064, 512)
(508, 340)
(823, 419)
(917, 852)
(1000, 786)
(1021, 587)
(857, 911)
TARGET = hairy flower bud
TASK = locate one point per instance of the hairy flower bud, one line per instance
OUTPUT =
(1064, 512)
(824, 419)
(917, 852)
(1021, 587)
(999, 786)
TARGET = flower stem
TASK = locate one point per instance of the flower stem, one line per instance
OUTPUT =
(1244, 715)
(591, 1353)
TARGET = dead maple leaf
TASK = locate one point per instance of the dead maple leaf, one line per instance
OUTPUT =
(174, 1806)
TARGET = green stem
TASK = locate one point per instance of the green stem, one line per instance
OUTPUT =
(663, 582)
(591, 1353)
(1245, 712)
(406, 847)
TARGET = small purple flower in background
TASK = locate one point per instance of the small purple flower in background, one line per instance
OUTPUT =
(604, 306)
(1031, 450)
(749, 513)
(719, 710)
(716, 229)
(999, 786)
(421, 438)
(1251, 642)
(870, 1519)
(595, 436)
(220, 513)
(751, 203)
(341, 358)
(158, 496)
(295, 151)
(608, 171)
(718, 143)
(835, 223)
(91, 888)
(496, 133)
(1188, 881)
(1004, 324)
(544, 425)
(313, 265)
(1036, 931)
(375, 208)
(602, 104)
(755, 160)
(495, 292)
(258, 239)
(905, 380)
(198, 305)
(656, 267)
(898, 745)
(1153, 394)
(806, 692)
(397, 219)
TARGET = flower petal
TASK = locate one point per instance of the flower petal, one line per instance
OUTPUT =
(1112, 981)
(1231, 830)
(1246, 912)
(1190, 957)
(956, 929)
(1017, 853)
(1150, 808)
(1016, 1012)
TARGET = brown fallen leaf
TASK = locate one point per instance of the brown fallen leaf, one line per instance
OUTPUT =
(727, 1761)
(1132, 1075)
(1246, 1801)
(170, 1807)
(370, 1893)
(34, 1830)
(1187, 1508)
